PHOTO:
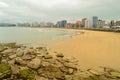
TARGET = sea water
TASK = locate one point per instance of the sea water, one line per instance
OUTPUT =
(32, 36)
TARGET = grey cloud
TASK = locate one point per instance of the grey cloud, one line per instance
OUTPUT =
(53, 10)
(3, 4)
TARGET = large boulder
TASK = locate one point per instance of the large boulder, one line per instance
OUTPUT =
(20, 53)
(34, 64)
(48, 56)
(97, 71)
(20, 62)
(5, 71)
(28, 57)
(9, 52)
(4, 61)
(12, 56)
(51, 72)
(115, 74)
(41, 51)
(15, 69)
(29, 54)
(81, 76)
(70, 65)
(2, 48)
(26, 74)
(63, 60)
(60, 55)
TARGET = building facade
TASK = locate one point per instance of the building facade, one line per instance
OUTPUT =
(100, 24)
(94, 21)
(78, 24)
(85, 23)
(62, 23)
(117, 23)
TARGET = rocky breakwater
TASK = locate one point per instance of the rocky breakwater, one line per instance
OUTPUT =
(18, 62)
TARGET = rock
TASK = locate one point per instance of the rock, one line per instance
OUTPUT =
(34, 64)
(97, 78)
(115, 74)
(28, 57)
(2, 49)
(68, 77)
(70, 65)
(60, 55)
(63, 60)
(13, 77)
(48, 56)
(5, 71)
(29, 52)
(26, 74)
(23, 47)
(99, 69)
(59, 75)
(31, 48)
(12, 56)
(41, 50)
(42, 78)
(81, 75)
(0, 58)
(39, 56)
(96, 72)
(64, 69)
(15, 69)
(9, 52)
(4, 61)
(45, 63)
(51, 72)
(11, 62)
(20, 53)
(20, 61)
(51, 61)
(4, 56)
(70, 71)
(12, 45)
(106, 69)
(108, 72)
(58, 64)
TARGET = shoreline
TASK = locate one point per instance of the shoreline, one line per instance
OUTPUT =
(93, 48)
(43, 42)
(47, 43)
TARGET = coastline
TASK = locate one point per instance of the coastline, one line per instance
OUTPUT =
(33, 36)
(41, 62)
(92, 49)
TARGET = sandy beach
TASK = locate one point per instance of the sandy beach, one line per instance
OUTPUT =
(93, 48)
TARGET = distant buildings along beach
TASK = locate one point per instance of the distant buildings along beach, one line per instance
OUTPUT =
(94, 23)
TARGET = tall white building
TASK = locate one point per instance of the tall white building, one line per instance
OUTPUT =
(85, 23)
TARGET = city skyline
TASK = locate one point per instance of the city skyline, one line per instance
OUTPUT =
(55, 10)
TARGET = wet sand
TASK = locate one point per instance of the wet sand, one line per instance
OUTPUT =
(93, 48)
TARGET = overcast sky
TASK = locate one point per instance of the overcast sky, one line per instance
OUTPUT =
(54, 10)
